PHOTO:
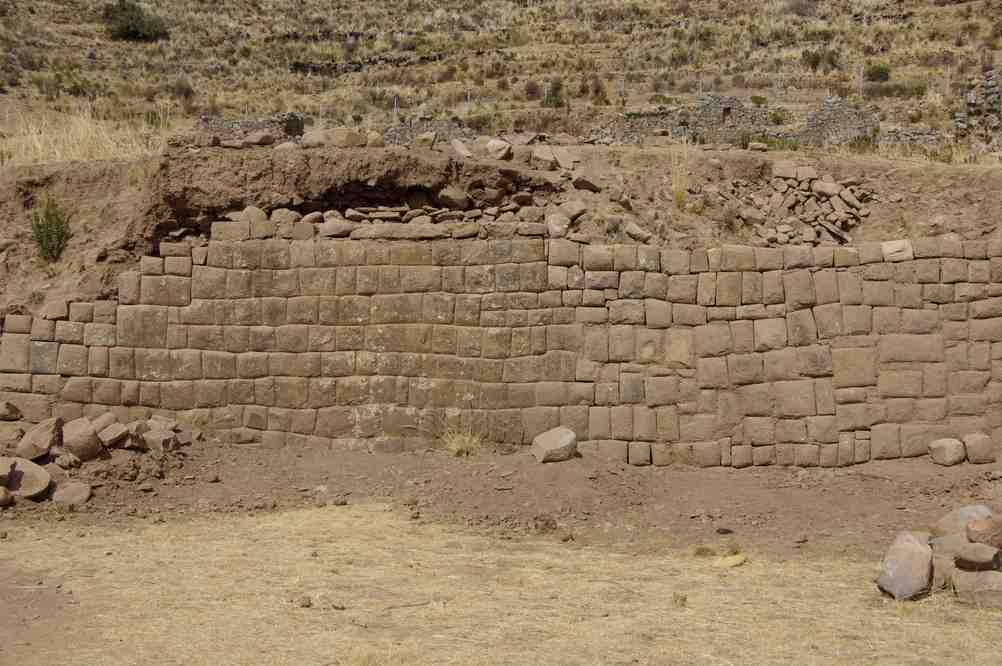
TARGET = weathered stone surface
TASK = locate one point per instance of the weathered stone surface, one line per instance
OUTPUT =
(499, 149)
(977, 557)
(980, 448)
(113, 435)
(978, 588)
(985, 530)
(956, 521)
(906, 571)
(454, 197)
(80, 439)
(947, 451)
(555, 445)
(72, 494)
(6, 498)
(23, 478)
(345, 137)
(40, 439)
(9, 411)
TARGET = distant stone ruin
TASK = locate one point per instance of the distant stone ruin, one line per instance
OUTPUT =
(838, 121)
(723, 119)
(982, 119)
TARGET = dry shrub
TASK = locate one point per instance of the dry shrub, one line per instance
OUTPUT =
(680, 174)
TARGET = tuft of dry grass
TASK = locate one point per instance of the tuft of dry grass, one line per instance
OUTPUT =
(78, 134)
(680, 174)
(462, 442)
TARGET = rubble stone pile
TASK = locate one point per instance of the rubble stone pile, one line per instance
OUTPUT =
(50, 459)
(961, 553)
(797, 205)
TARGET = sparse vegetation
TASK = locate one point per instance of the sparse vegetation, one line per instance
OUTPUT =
(128, 20)
(49, 229)
(680, 174)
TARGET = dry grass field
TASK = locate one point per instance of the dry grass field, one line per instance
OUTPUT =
(552, 64)
(384, 590)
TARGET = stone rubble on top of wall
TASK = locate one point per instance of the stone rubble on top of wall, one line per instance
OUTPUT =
(732, 356)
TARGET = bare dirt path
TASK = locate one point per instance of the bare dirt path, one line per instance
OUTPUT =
(365, 585)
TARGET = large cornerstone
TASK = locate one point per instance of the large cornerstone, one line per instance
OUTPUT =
(734, 356)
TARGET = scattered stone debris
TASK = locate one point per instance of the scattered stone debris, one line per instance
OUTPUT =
(86, 451)
(961, 553)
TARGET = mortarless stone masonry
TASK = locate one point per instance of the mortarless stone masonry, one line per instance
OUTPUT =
(737, 356)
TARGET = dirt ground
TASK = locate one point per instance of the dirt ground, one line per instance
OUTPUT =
(310, 557)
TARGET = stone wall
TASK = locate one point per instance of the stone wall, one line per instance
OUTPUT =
(736, 356)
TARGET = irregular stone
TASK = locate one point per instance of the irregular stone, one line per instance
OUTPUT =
(586, 180)
(956, 521)
(374, 139)
(985, 530)
(253, 215)
(637, 232)
(335, 229)
(897, 250)
(9, 411)
(113, 435)
(978, 557)
(557, 225)
(947, 451)
(555, 445)
(543, 158)
(23, 478)
(980, 448)
(73, 494)
(825, 188)
(978, 588)
(80, 439)
(260, 138)
(314, 139)
(345, 137)
(159, 441)
(67, 460)
(6, 498)
(426, 140)
(758, 146)
(498, 149)
(460, 149)
(906, 571)
(454, 197)
(40, 439)
(574, 209)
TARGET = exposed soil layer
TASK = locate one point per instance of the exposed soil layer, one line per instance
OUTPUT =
(118, 211)
(780, 510)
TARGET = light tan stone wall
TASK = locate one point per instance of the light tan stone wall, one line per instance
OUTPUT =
(737, 356)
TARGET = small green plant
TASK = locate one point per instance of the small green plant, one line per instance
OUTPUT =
(126, 19)
(758, 100)
(877, 72)
(49, 229)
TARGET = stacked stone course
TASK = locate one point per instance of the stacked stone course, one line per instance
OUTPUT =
(735, 356)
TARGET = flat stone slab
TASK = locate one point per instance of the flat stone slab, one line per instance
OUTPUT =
(22, 477)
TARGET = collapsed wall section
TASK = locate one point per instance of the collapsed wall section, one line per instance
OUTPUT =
(735, 356)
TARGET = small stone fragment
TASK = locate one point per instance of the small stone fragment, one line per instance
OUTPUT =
(9, 411)
(73, 494)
